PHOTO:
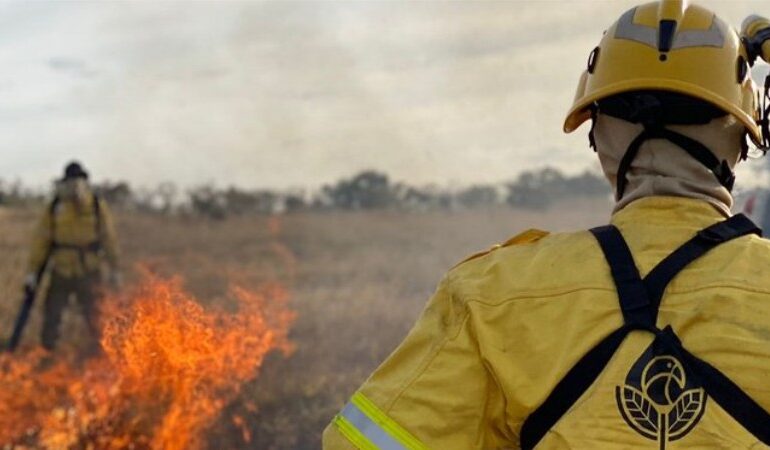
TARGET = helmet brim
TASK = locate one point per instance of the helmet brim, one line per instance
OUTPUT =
(580, 111)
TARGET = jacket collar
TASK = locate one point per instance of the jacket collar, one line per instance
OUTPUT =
(665, 210)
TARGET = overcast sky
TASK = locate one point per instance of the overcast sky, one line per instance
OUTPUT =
(291, 94)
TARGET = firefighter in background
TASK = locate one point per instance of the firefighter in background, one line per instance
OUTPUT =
(76, 232)
(651, 332)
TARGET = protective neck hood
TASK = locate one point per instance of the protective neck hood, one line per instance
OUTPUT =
(74, 190)
(661, 166)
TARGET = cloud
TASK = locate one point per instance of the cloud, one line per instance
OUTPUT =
(297, 93)
(66, 64)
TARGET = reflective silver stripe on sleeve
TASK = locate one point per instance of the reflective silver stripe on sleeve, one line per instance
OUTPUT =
(370, 429)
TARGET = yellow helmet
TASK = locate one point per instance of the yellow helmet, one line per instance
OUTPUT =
(672, 46)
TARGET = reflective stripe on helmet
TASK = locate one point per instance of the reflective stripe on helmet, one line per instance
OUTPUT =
(642, 34)
(647, 35)
(366, 426)
(713, 37)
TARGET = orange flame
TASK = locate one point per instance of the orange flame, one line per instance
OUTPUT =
(169, 368)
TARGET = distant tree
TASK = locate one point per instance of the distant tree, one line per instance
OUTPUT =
(538, 189)
(534, 190)
(412, 198)
(239, 202)
(167, 193)
(208, 202)
(367, 190)
(477, 196)
(294, 202)
(117, 194)
(588, 184)
(16, 194)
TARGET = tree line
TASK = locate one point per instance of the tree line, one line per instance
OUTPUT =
(367, 190)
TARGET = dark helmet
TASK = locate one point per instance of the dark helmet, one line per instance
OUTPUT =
(74, 170)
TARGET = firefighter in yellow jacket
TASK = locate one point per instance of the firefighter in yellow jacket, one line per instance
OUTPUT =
(77, 237)
(651, 332)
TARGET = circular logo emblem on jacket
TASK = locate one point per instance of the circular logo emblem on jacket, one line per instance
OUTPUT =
(658, 401)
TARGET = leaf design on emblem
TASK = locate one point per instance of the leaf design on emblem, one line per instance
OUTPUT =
(686, 412)
(638, 411)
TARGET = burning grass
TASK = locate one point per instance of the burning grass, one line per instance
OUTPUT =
(168, 369)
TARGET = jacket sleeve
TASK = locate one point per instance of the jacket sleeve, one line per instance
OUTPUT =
(109, 236)
(432, 392)
(41, 241)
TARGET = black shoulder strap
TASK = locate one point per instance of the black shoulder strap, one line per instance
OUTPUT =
(706, 239)
(52, 216)
(639, 307)
(634, 301)
(97, 216)
(730, 397)
(570, 388)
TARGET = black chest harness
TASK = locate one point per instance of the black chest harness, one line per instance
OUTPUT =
(640, 301)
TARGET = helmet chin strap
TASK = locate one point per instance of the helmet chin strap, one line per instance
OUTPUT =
(720, 169)
(764, 116)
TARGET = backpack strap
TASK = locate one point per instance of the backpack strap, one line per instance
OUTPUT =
(729, 396)
(639, 301)
(706, 239)
(97, 217)
(570, 388)
(632, 293)
(52, 215)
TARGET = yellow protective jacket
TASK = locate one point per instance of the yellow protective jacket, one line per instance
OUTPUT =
(505, 326)
(71, 235)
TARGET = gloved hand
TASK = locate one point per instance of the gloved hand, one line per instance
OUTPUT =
(755, 33)
(30, 282)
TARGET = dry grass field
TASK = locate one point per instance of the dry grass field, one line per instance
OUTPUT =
(357, 281)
